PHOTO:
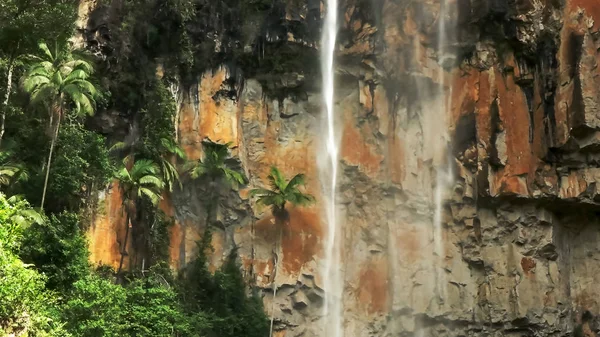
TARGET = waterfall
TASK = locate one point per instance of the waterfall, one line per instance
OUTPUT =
(444, 175)
(328, 172)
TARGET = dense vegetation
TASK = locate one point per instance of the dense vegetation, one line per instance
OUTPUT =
(59, 295)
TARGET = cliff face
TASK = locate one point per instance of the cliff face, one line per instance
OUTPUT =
(508, 93)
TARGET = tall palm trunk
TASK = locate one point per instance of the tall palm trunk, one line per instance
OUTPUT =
(211, 204)
(9, 75)
(52, 143)
(124, 245)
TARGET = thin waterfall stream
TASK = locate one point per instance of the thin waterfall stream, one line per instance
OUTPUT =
(444, 174)
(328, 172)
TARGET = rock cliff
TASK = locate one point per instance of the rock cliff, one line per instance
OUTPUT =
(505, 98)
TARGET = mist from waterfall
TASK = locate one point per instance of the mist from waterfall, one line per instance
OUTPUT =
(328, 168)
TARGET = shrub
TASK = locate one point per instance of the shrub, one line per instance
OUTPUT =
(25, 306)
(224, 296)
(58, 249)
(95, 308)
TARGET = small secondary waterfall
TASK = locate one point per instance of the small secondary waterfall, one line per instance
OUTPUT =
(333, 285)
(432, 108)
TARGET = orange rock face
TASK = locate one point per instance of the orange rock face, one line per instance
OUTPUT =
(107, 231)
(421, 253)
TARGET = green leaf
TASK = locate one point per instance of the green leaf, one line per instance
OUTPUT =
(151, 195)
(296, 181)
(151, 180)
(44, 48)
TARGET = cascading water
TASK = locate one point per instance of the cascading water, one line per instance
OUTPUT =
(444, 175)
(328, 172)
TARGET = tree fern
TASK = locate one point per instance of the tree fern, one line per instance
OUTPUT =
(216, 166)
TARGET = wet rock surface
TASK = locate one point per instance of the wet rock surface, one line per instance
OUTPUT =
(510, 95)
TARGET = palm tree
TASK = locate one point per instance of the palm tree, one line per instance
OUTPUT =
(281, 192)
(167, 150)
(59, 82)
(140, 182)
(217, 165)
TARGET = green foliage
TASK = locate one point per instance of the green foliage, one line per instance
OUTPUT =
(224, 296)
(11, 169)
(15, 216)
(24, 303)
(155, 234)
(81, 163)
(141, 181)
(95, 308)
(145, 307)
(157, 141)
(217, 165)
(238, 314)
(57, 79)
(43, 257)
(24, 23)
(152, 309)
(59, 82)
(282, 192)
(58, 249)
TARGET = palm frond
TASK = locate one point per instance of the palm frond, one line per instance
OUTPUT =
(76, 74)
(172, 148)
(33, 215)
(86, 87)
(297, 180)
(189, 166)
(260, 192)
(276, 200)
(282, 192)
(215, 152)
(151, 180)
(34, 81)
(170, 174)
(198, 170)
(150, 194)
(118, 146)
(57, 78)
(144, 167)
(123, 174)
(8, 172)
(79, 64)
(39, 69)
(45, 50)
(83, 103)
(300, 199)
(234, 177)
(276, 179)
(43, 94)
